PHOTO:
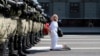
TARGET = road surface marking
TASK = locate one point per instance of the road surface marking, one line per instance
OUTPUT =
(69, 39)
(47, 48)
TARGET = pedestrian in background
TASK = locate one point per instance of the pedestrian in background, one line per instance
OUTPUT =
(53, 34)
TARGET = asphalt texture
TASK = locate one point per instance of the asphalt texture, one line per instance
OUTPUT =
(81, 45)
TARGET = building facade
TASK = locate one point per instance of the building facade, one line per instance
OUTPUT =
(74, 13)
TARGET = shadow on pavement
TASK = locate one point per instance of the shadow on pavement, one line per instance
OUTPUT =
(39, 51)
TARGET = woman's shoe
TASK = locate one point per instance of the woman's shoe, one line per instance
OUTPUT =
(66, 47)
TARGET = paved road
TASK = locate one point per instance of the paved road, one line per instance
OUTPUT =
(81, 45)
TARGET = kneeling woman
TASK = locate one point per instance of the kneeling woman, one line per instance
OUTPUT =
(53, 34)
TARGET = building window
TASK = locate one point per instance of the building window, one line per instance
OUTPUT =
(74, 7)
(45, 6)
(74, 10)
(81, 22)
(91, 1)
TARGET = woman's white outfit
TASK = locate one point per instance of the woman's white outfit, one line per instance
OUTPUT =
(54, 36)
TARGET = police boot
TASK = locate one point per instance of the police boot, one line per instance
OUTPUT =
(24, 42)
(37, 37)
(25, 51)
(41, 34)
(28, 41)
(31, 39)
(1, 49)
(31, 36)
(34, 39)
(24, 47)
(12, 54)
(10, 46)
(16, 42)
(20, 52)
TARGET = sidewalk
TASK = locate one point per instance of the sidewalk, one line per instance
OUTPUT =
(80, 30)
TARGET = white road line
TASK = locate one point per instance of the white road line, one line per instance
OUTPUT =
(47, 48)
(69, 39)
(73, 38)
(87, 48)
(81, 43)
(78, 36)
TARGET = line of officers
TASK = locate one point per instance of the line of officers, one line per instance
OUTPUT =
(29, 18)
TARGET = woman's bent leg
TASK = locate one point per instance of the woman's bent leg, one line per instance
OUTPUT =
(54, 40)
